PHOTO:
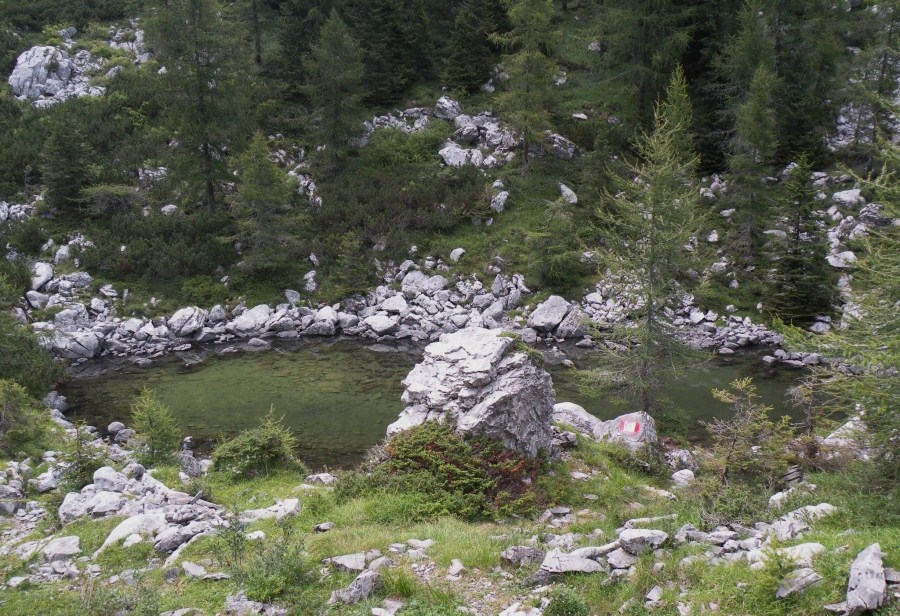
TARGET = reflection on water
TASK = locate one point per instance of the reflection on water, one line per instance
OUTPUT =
(340, 395)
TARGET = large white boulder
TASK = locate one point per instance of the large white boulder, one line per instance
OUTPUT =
(251, 321)
(470, 377)
(187, 321)
(549, 313)
(41, 274)
(41, 71)
(447, 108)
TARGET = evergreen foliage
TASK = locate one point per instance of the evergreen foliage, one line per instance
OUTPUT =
(205, 62)
(748, 457)
(469, 58)
(529, 96)
(156, 428)
(272, 230)
(256, 452)
(23, 359)
(802, 285)
(23, 421)
(334, 86)
(643, 41)
(66, 168)
(649, 218)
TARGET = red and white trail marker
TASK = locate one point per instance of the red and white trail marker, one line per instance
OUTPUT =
(629, 427)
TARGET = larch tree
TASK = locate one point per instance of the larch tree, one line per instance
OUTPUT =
(650, 215)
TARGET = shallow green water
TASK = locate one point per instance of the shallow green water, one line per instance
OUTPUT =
(339, 396)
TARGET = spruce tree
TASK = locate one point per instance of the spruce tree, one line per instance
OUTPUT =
(751, 150)
(643, 42)
(802, 284)
(529, 95)
(271, 231)
(334, 86)
(469, 57)
(206, 69)
(651, 213)
(66, 166)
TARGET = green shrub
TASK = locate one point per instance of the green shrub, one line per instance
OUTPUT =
(27, 236)
(277, 568)
(156, 427)
(564, 601)
(23, 421)
(431, 471)
(203, 291)
(257, 451)
(24, 360)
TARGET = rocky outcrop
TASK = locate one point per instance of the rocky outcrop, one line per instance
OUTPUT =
(866, 587)
(473, 379)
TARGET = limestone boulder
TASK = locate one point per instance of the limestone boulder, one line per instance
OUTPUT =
(472, 379)
(549, 314)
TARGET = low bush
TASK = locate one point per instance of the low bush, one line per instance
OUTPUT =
(564, 601)
(257, 451)
(432, 471)
(22, 419)
(156, 427)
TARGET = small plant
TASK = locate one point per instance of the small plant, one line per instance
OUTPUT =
(156, 427)
(267, 447)
(22, 424)
(277, 568)
(750, 454)
(564, 601)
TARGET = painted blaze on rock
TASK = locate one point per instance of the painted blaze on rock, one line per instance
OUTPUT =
(470, 378)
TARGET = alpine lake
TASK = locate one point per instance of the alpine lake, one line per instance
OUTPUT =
(339, 395)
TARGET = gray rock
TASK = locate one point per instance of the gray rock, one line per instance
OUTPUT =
(468, 378)
(639, 540)
(41, 274)
(75, 345)
(36, 299)
(189, 465)
(574, 415)
(574, 325)
(456, 254)
(796, 582)
(364, 586)
(348, 562)
(41, 71)
(683, 478)
(621, 559)
(447, 108)
(381, 324)
(108, 479)
(11, 500)
(187, 321)
(634, 430)
(549, 314)
(568, 194)
(866, 587)
(115, 427)
(521, 555)
(62, 548)
(174, 536)
(560, 147)
(498, 202)
(559, 562)
(251, 322)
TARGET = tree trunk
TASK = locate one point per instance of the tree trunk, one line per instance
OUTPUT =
(257, 44)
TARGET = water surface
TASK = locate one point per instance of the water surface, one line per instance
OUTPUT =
(340, 395)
